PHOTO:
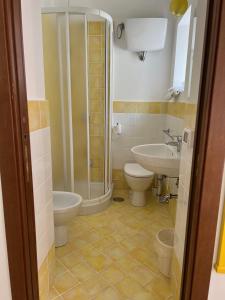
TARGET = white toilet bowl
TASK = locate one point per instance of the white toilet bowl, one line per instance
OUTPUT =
(139, 180)
(66, 207)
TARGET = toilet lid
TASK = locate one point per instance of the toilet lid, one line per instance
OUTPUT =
(136, 170)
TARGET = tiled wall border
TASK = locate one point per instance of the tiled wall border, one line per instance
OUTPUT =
(177, 109)
(139, 107)
(181, 110)
(38, 111)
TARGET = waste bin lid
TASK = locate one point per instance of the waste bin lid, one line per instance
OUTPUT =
(166, 237)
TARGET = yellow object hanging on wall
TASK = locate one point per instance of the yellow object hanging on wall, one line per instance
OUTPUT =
(220, 263)
(178, 7)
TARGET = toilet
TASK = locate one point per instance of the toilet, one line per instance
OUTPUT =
(66, 207)
(139, 180)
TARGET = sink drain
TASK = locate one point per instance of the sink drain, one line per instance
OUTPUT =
(118, 199)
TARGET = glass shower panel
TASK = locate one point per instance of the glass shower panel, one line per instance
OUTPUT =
(97, 108)
(55, 68)
(108, 90)
(78, 69)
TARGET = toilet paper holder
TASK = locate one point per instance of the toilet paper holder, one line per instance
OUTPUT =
(117, 128)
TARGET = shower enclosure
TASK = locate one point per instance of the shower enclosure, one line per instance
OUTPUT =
(77, 45)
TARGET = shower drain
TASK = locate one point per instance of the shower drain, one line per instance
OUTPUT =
(118, 199)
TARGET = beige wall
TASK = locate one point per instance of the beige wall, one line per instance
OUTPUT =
(32, 39)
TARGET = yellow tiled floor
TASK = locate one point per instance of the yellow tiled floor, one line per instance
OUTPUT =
(110, 255)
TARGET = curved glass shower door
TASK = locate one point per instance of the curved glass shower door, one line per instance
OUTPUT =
(77, 61)
(57, 80)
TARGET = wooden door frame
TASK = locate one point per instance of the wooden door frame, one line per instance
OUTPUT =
(208, 164)
(15, 161)
(15, 158)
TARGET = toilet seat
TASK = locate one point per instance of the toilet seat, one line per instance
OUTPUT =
(136, 170)
(63, 201)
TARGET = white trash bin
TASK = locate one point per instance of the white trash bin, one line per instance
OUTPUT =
(164, 249)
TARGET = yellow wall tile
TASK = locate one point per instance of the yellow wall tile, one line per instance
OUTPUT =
(139, 107)
(97, 174)
(96, 81)
(185, 111)
(130, 107)
(163, 107)
(117, 174)
(44, 114)
(95, 43)
(155, 108)
(96, 28)
(96, 68)
(96, 78)
(119, 180)
(119, 107)
(38, 113)
(34, 115)
(143, 107)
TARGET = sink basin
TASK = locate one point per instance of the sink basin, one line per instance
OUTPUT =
(159, 158)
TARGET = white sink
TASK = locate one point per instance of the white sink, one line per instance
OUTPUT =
(158, 158)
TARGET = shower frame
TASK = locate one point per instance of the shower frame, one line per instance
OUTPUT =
(96, 204)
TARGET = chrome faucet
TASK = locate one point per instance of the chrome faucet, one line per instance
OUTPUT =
(176, 140)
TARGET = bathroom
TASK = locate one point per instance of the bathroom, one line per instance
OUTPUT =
(112, 143)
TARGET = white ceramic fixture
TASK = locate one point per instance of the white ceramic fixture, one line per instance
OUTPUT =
(66, 207)
(139, 180)
(164, 248)
(159, 158)
(145, 34)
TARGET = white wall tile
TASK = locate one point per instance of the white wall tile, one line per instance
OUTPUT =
(183, 200)
(175, 124)
(41, 170)
(40, 143)
(42, 184)
(42, 195)
(137, 129)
